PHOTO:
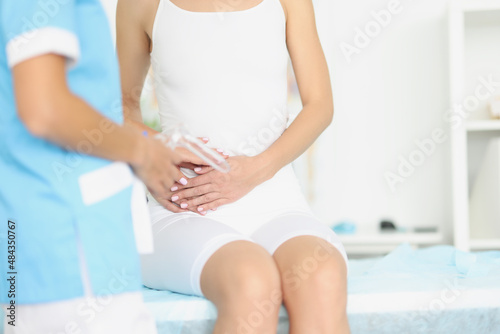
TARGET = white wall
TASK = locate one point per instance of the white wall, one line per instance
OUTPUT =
(391, 94)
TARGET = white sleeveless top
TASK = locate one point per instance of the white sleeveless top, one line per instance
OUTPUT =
(224, 76)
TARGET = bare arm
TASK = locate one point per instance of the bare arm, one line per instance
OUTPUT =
(313, 80)
(133, 45)
(308, 60)
(134, 20)
(51, 111)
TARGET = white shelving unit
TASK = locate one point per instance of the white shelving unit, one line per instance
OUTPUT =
(377, 243)
(488, 125)
(474, 51)
(476, 5)
(484, 244)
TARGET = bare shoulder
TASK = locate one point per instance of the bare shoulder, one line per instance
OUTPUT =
(283, 4)
(296, 6)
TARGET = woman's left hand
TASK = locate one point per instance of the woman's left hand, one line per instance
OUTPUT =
(213, 188)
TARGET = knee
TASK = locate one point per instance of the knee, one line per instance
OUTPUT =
(329, 281)
(240, 274)
(332, 274)
(323, 278)
(255, 280)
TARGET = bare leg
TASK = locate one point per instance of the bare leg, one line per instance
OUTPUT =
(243, 282)
(314, 281)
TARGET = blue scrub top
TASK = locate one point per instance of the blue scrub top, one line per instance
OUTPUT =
(57, 230)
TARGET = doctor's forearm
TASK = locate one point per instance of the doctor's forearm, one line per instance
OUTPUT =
(77, 123)
(51, 111)
(140, 126)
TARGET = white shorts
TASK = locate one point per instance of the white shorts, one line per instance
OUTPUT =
(185, 241)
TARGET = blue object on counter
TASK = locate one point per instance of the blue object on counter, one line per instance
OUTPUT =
(344, 227)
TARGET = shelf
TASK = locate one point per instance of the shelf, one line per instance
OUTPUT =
(486, 125)
(388, 238)
(480, 5)
(484, 244)
(378, 243)
(473, 29)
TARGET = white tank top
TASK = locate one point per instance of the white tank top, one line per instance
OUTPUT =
(223, 74)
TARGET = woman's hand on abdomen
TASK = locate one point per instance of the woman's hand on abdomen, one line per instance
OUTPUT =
(213, 189)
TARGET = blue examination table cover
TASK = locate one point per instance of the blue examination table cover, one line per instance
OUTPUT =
(432, 290)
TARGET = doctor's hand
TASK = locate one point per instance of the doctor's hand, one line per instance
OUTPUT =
(156, 165)
(190, 161)
(213, 188)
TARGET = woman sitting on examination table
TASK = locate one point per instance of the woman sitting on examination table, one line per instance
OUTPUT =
(246, 240)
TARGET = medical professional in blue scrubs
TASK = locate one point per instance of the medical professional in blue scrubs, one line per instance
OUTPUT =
(67, 169)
